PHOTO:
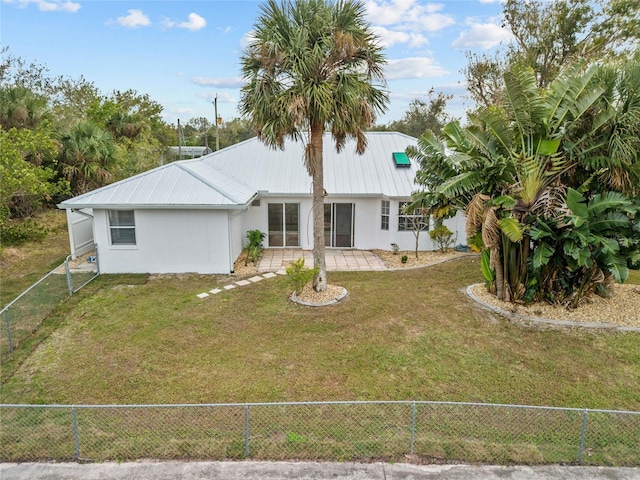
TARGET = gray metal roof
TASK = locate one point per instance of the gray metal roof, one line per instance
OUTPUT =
(345, 173)
(233, 176)
(188, 183)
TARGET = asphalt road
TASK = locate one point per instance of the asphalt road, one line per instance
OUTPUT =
(147, 470)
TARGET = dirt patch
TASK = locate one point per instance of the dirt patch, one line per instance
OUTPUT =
(622, 308)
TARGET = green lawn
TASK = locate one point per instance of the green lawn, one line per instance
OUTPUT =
(22, 266)
(398, 336)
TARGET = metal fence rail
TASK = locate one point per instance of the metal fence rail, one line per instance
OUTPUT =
(24, 314)
(431, 431)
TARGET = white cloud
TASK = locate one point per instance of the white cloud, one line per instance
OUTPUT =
(408, 15)
(482, 35)
(413, 67)
(223, 97)
(195, 22)
(49, 5)
(226, 82)
(135, 18)
(246, 39)
(389, 38)
(224, 30)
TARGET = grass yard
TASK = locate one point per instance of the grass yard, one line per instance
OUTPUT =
(398, 336)
(22, 266)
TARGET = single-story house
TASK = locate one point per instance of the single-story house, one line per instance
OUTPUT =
(193, 215)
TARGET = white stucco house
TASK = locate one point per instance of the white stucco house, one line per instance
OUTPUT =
(193, 215)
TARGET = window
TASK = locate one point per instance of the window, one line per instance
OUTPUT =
(283, 220)
(122, 226)
(409, 223)
(384, 219)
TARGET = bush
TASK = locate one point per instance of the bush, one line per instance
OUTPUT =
(254, 245)
(442, 237)
(21, 232)
(404, 259)
(299, 276)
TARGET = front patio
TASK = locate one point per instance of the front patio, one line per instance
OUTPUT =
(274, 259)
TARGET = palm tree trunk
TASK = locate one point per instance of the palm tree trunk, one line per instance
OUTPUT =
(317, 174)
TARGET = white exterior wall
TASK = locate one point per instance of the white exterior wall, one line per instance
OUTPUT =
(168, 241)
(367, 232)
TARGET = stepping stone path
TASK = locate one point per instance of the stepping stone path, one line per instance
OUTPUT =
(241, 283)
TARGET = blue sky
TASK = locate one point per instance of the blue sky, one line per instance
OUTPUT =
(182, 53)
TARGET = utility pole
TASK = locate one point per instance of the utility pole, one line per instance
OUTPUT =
(215, 106)
(179, 142)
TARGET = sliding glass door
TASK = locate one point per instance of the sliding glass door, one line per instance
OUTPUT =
(338, 225)
(284, 224)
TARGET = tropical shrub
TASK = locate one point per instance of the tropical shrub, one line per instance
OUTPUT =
(254, 245)
(299, 275)
(442, 237)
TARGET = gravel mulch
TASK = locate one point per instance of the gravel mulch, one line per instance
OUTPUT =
(394, 260)
(622, 308)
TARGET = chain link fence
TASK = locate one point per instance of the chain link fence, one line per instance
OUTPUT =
(431, 432)
(24, 314)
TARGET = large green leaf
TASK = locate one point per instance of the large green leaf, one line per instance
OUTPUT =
(576, 203)
(617, 265)
(542, 254)
(548, 146)
(512, 228)
(609, 200)
(541, 230)
(485, 264)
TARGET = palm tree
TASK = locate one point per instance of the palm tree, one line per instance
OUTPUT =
(311, 67)
(21, 108)
(88, 154)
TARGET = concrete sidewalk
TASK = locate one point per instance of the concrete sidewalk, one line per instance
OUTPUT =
(147, 470)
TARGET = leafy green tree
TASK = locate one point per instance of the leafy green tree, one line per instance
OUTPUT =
(88, 155)
(311, 67)
(421, 116)
(26, 182)
(549, 36)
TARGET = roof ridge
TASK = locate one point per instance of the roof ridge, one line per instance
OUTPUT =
(199, 177)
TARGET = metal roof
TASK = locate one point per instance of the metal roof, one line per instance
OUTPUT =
(233, 176)
(182, 184)
(346, 173)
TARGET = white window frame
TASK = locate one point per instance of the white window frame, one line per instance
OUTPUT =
(118, 227)
(385, 214)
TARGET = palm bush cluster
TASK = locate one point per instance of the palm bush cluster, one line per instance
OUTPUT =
(549, 180)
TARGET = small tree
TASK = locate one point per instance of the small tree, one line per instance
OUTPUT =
(416, 219)
(299, 276)
(442, 237)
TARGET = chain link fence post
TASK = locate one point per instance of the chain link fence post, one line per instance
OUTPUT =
(76, 437)
(246, 431)
(582, 435)
(413, 425)
(68, 273)
(8, 321)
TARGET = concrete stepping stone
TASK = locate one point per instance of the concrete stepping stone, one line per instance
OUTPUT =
(215, 290)
(242, 283)
(255, 279)
(281, 272)
(229, 287)
(269, 275)
(203, 295)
